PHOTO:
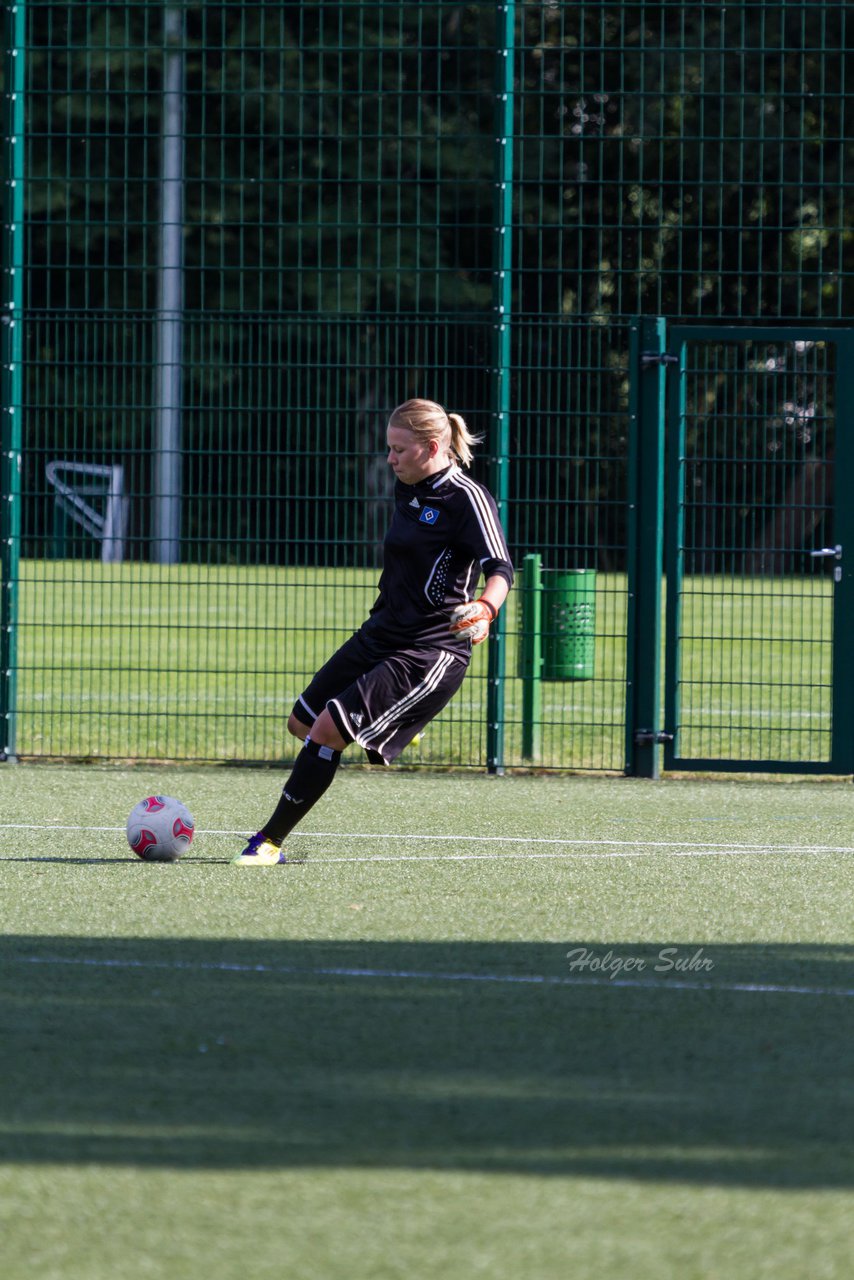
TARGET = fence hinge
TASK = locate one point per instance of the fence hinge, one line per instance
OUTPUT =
(650, 358)
(645, 736)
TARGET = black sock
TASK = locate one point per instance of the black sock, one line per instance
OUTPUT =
(312, 773)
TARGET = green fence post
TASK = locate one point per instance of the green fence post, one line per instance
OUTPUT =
(646, 533)
(842, 745)
(502, 297)
(11, 350)
(531, 655)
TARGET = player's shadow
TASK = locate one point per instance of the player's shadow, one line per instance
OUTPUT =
(713, 1064)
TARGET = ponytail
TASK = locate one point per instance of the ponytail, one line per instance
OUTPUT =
(462, 440)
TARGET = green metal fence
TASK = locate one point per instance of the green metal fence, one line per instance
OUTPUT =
(236, 235)
(759, 588)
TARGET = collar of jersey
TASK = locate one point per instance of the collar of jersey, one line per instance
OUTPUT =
(436, 478)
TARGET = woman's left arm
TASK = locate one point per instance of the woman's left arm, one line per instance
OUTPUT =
(496, 591)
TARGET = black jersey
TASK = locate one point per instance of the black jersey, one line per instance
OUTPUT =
(444, 533)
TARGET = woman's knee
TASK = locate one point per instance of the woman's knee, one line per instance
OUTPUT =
(296, 727)
(325, 732)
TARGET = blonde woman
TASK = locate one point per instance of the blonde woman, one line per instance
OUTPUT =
(409, 657)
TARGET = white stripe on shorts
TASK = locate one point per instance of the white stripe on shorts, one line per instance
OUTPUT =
(309, 709)
(389, 718)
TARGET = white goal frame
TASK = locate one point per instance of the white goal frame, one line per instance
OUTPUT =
(96, 480)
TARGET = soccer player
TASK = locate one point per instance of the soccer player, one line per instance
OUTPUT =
(409, 657)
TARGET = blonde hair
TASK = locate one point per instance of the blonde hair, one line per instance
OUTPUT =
(429, 421)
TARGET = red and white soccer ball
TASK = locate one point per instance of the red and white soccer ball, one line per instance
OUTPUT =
(160, 829)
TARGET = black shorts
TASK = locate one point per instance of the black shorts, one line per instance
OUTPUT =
(382, 700)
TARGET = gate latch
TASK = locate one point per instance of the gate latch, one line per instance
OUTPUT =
(836, 553)
(650, 358)
(643, 737)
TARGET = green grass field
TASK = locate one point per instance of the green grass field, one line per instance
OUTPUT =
(485, 1027)
(203, 663)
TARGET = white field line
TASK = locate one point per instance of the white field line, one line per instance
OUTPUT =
(427, 975)
(570, 847)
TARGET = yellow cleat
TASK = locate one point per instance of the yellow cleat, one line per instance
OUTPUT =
(259, 852)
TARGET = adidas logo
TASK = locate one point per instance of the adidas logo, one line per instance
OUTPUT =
(357, 718)
(415, 503)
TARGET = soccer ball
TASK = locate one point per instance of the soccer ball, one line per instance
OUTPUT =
(160, 829)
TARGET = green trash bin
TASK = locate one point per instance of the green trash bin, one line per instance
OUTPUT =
(569, 624)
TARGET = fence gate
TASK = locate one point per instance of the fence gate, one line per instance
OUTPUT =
(759, 549)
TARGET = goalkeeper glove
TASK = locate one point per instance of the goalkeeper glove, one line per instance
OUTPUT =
(473, 619)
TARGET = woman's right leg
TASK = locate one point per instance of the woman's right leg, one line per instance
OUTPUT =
(317, 763)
